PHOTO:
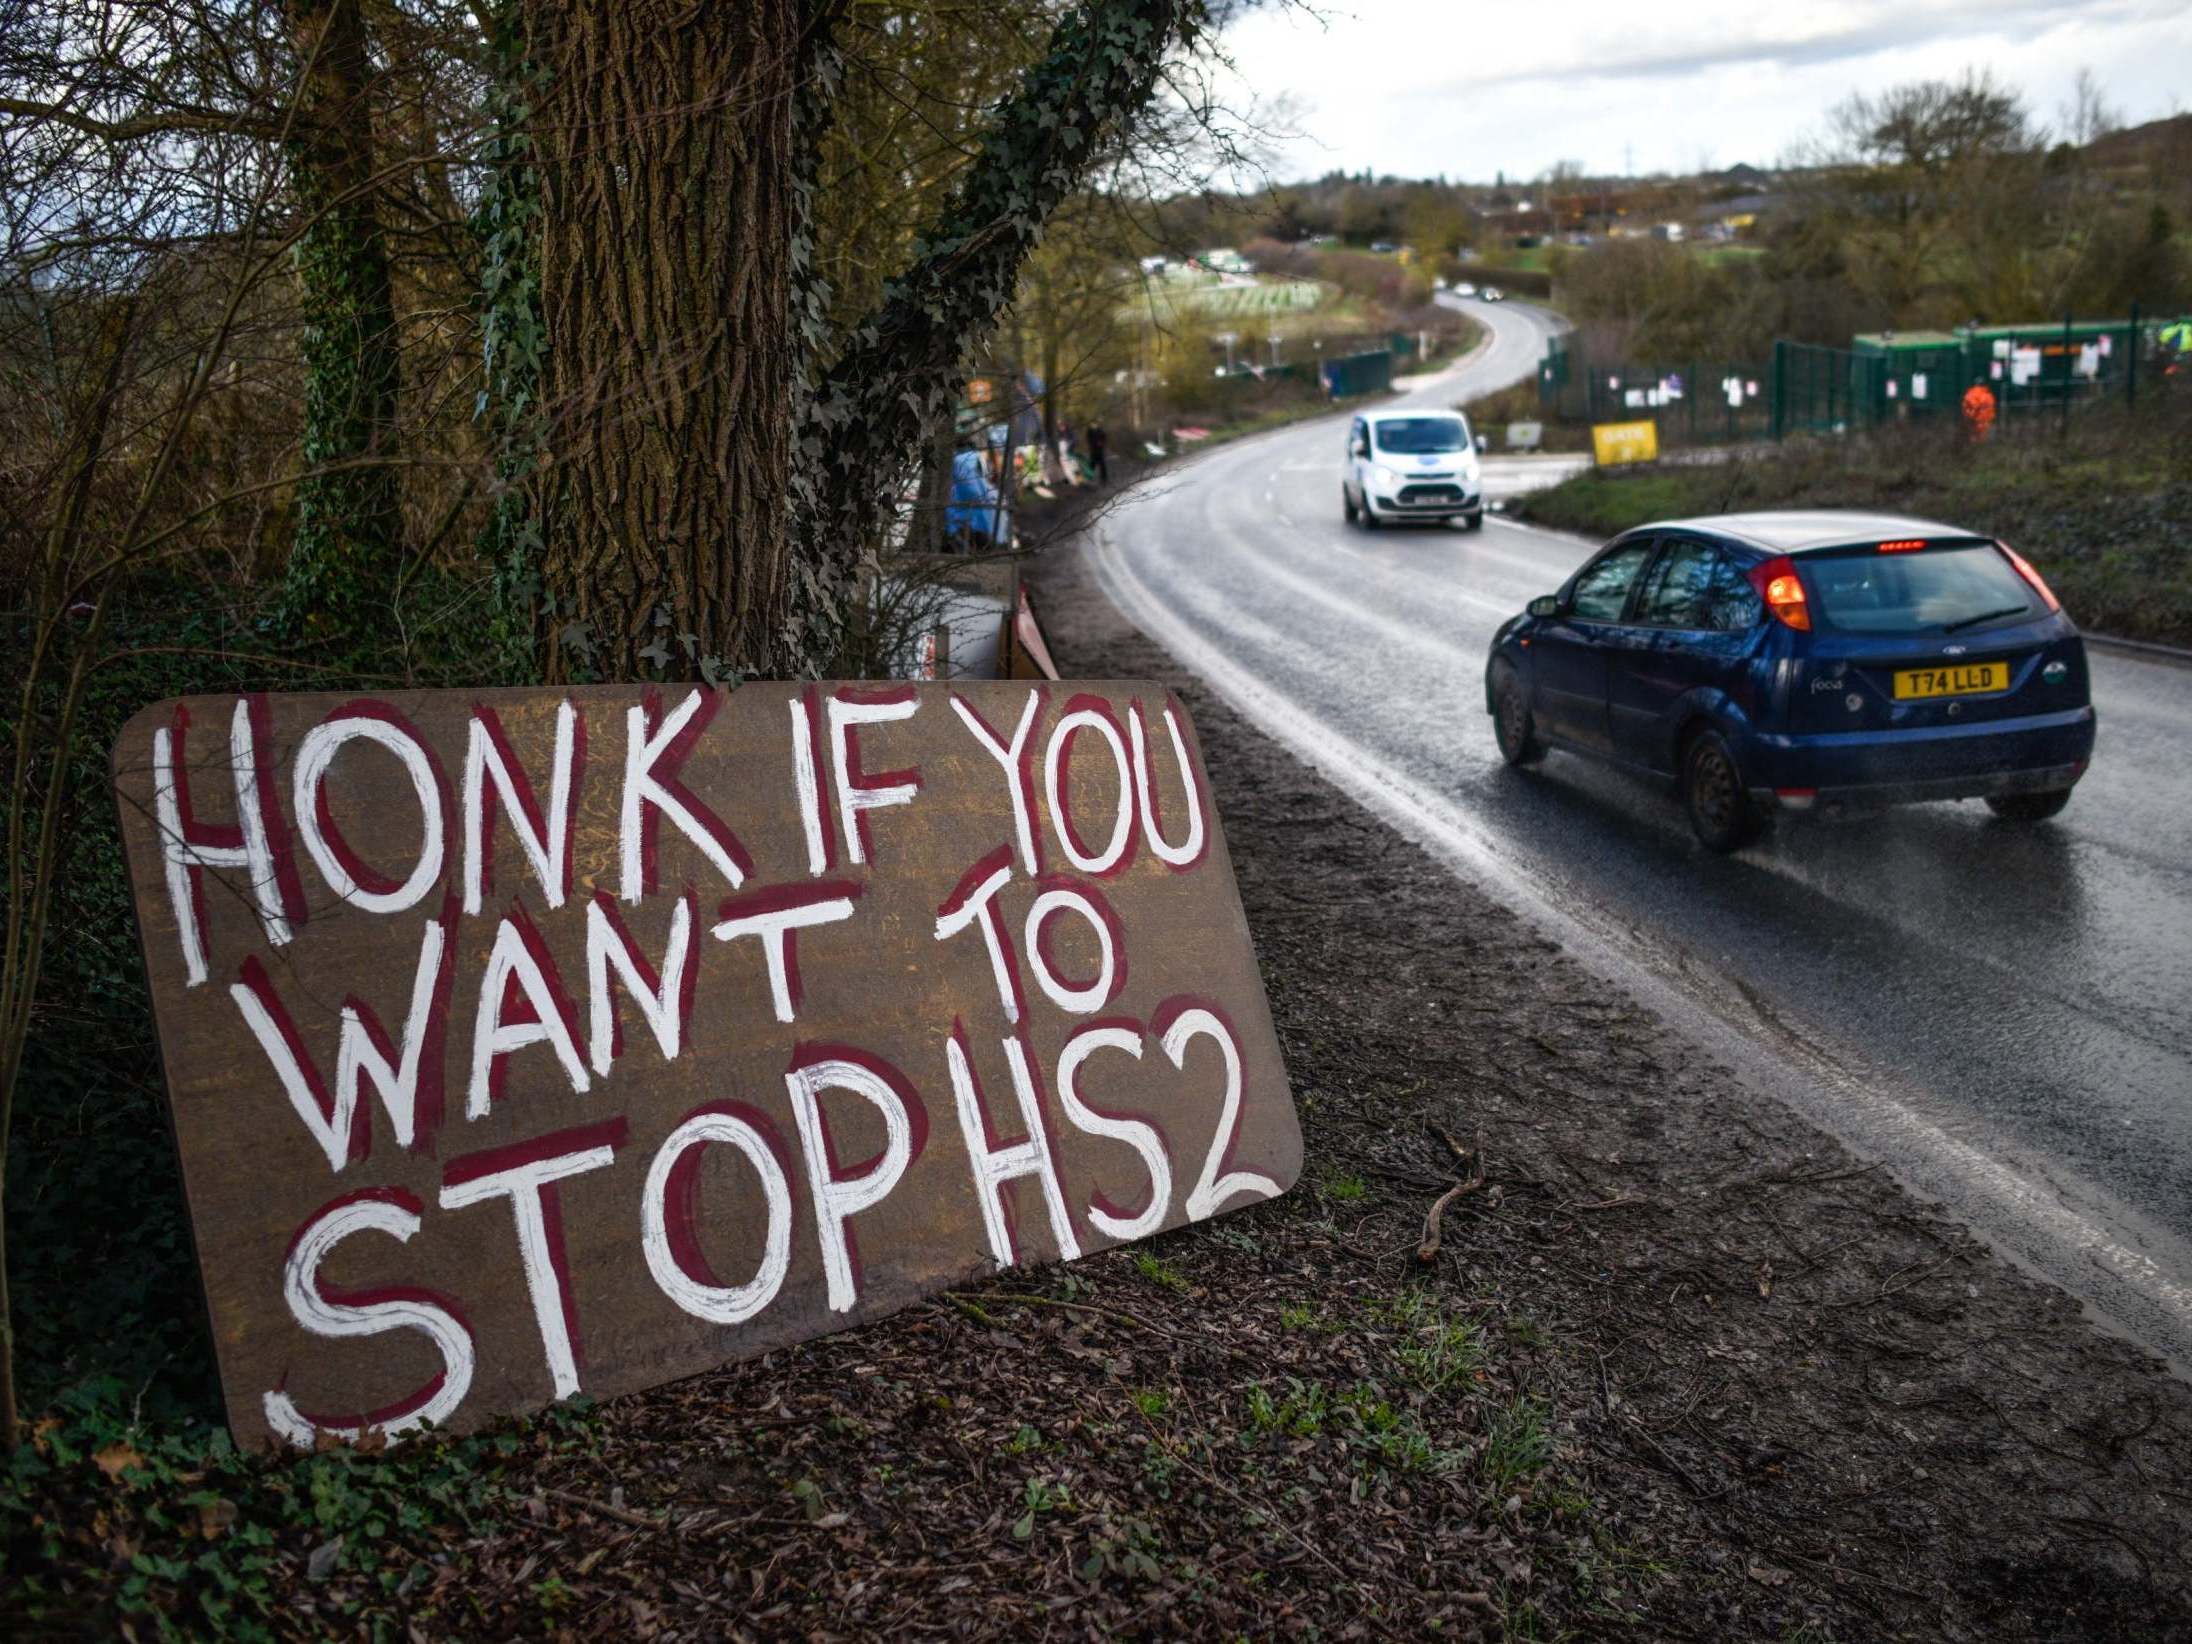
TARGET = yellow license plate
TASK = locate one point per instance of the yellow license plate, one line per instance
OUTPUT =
(1965, 679)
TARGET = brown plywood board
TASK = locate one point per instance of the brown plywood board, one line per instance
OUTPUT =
(522, 1042)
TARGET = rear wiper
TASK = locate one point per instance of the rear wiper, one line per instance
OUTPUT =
(1984, 616)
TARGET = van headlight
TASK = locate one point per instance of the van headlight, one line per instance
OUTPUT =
(1385, 476)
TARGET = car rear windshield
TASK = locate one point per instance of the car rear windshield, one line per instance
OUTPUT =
(1925, 590)
(1422, 436)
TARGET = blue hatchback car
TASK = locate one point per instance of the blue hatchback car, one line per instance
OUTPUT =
(1804, 660)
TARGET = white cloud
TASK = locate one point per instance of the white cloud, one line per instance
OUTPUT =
(1420, 87)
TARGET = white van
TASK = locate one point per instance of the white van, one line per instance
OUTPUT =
(1412, 465)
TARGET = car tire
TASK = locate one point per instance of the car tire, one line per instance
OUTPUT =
(1720, 810)
(1347, 504)
(1369, 520)
(1514, 726)
(1475, 521)
(2029, 807)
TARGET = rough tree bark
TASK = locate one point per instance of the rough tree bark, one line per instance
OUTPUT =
(349, 525)
(664, 140)
(707, 491)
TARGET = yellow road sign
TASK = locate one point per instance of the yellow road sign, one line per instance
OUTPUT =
(1619, 442)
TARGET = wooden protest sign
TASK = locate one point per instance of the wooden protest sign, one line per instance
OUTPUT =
(528, 1041)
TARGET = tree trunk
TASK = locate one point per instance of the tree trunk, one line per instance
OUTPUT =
(664, 137)
(349, 526)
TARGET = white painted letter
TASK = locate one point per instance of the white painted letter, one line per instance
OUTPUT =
(996, 1165)
(546, 840)
(838, 1198)
(528, 1181)
(390, 1211)
(1181, 855)
(185, 850)
(1141, 1137)
(1008, 755)
(1054, 786)
(362, 1052)
(971, 903)
(1080, 1001)
(520, 953)
(342, 870)
(858, 794)
(777, 918)
(660, 995)
(666, 1231)
(1209, 1191)
(644, 789)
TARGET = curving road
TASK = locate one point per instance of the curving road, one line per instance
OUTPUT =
(2003, 1016)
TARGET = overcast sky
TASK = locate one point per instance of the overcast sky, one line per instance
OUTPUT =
(1421, 87)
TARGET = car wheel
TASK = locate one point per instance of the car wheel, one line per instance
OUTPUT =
(1369, 520)
(1347, 502)
(1721, 813)
(2029, 807)
(1513, 725)
(1476, 520)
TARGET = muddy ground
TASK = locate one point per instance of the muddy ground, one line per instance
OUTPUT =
(1682, 1368)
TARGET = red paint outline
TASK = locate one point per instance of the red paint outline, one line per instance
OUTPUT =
(607, 903)
(858, 781)
(490, 1161)
(1097, 1198)
(362, 873)
(662, 772)
(680, 1193)
(1110, 919)
(1087, 702)
(1145, 778)
(810, 1053)
(410, 1403)
(782, 899)
(528, 802)
(1024, 767)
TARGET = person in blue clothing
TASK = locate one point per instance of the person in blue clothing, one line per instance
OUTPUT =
(972, 515)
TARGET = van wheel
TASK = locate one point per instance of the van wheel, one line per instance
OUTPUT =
(2029, 807)
(1369, 520)
(1513, 725)
(1475, 521)
(1347, 503)
(1721, 813)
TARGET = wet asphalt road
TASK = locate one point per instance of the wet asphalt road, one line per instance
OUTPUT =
(2002, 1015)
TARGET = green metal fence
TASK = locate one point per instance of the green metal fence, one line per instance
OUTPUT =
(1880, 379)
(1694, 402)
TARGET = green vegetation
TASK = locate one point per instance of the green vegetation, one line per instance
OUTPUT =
(1158, 1271)
(2104, 510)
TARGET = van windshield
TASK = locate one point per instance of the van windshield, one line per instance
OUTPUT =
(1926, 591)
(1422, 436)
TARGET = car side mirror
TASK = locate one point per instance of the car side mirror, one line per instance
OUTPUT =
(1360, 448)
(1483, 443)
(1545, 605)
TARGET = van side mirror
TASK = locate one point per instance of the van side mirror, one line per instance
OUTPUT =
(1483, 443)
(1545, 605)
(1358, 448)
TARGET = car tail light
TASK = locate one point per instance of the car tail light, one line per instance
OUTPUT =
(2025, 570)
(1797, 799)
(1907, 545)
(1778, 585)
